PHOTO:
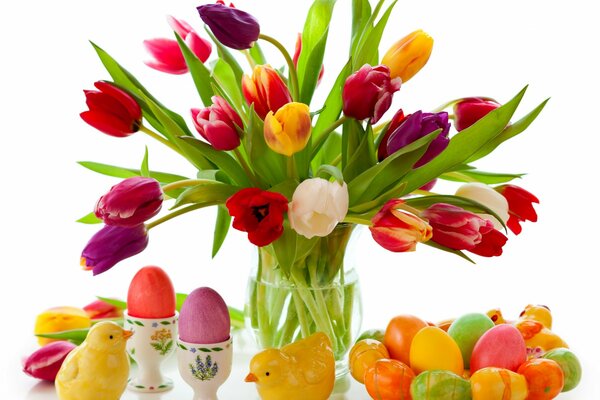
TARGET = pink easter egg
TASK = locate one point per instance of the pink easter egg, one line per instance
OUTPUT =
(500, 347)
(204, 318)
(151, 294)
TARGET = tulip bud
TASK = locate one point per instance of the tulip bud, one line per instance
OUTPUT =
(288, 130)
(317, 206)
(488, 197)
(60, 319)
(397, 230)
(130, 202)
(100, 310)
(397, 119)
(217, 124)
(368, 92)
(298, 50)
(416, 126)
(112, 110)
(470, 110)
(407, 56)
(520, 206)
(45, 362)
(232, 27)
(111, 245)
(266, 90)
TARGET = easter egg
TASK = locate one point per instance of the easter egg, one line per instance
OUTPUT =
(389, 380)
(501, 347)
(569, 364)
(377, 334)
(204, 317)
(498, 383)
(467, 330)
(399, 335)
(545, 379)
(445, 324)
(432, 348)
(364, 354)
(440, 384)
(151, 294)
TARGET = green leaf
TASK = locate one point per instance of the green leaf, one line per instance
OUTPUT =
(221, 228)
(89, 219)
(330, 170)
(200, 74)
(115, 302)
(359, 148)
(374, 205)
(165, 322)
(285, 249)
(286, 188)
(459, 253)
(362, 40)
(314, 39)
(121, 172)
(257, 54)
(489, 178)
(77, 336)
(179, 299)
(225, 77)
(204, 349)
(138, 323)
(510, 131)
(206, 193)
(464, 144)
(361, 12)
(368, 52)
(225, 55)
(144, 171)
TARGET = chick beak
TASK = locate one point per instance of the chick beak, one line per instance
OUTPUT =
(251, 378)
(127, 334)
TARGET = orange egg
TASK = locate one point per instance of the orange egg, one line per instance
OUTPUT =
(545, 378)
(399, 335)
(389, 380)
(363, 355)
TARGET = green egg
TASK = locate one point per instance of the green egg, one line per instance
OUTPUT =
(440, 385)
(467, 330)
(376, 334)
(569, 363)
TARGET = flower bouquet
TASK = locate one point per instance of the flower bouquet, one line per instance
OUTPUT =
(298, 176)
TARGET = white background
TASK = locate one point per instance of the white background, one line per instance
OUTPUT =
(481, 48)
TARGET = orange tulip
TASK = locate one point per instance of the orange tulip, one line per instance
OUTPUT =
(408, 55)
(266, 90)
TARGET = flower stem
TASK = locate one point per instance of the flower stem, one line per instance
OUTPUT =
(179, 212)
(290, 63)
(185, 183)
(246, 167)
(291, 168)
(161, 139)
(325, 134)
(249, 58)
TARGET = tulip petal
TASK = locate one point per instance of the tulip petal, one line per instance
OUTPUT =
(133, 108)
(107, 123)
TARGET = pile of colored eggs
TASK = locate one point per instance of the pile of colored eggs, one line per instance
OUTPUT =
(476, 356)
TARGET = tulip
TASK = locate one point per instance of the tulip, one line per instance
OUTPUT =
(60, 319)
(258, 212)
(407, 56)
(100, 310)
(288, 130)
(397, 230)
(112, 110)
(397, 119)
(167, 56)
(45, 362)
(217, 124)
(488, 197)
(298, 50)
(266, 90)
(416, 126)
(368, 92)
(520, 206)
(111, 245)
(470, 110)
(232, 27)
(459, 229)
(130, 202)
(317, 206)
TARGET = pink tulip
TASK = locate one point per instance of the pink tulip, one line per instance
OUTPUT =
(45, 362)
(472, 109)
(100, 309)
(397, 230)
(217, 124)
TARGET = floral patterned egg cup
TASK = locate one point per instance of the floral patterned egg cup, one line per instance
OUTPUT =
(152, 343)
(205, 367)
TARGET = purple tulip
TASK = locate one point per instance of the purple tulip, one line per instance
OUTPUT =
(111, 245)
(234, 28)
(416, 126)
(130, 202)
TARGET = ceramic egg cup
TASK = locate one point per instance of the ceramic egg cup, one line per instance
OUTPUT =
(205, 367)
(153, 341)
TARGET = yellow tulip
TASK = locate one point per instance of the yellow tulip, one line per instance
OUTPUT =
(288, 130)
(408, 55)
(59, 319)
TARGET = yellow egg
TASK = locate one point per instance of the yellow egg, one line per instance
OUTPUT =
(498, 383)
(432, 349)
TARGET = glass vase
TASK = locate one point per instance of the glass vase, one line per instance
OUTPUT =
(320, 293)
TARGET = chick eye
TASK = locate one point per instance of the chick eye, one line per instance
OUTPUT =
(110, 337)
(267, 373)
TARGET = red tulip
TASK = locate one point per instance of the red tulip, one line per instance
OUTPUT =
(217, 124)
(45, 362)
(459, 229)
(100, 309)
(130, 202)
(397, 230)
(470, 110)
(298, 50)
(520, 206)
(112, 110)
(397, 119)
(258, 212)
(368, 92)
(266, 90)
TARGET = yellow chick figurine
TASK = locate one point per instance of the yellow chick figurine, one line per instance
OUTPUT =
(299, 371)
(540, 314)
(98, 369)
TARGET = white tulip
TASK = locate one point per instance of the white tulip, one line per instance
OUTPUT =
(317, 206)
(487, 196)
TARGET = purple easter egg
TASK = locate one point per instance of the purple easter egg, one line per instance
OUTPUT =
(204, 318)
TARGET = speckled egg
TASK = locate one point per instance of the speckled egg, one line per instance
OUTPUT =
(204, 318)
(151, 294)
